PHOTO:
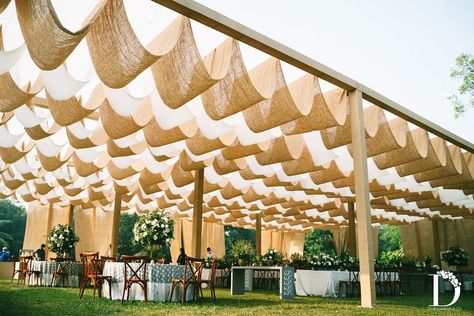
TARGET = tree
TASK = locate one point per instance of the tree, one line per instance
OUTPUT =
(319, 241)
(236, 233)
(464, 70)
(389, 238)
(12, 226)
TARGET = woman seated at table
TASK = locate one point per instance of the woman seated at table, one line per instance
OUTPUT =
(181, 257)
(40, 254)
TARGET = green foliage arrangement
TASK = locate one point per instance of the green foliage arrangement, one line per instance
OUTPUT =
(243, 250)
(61, 239)
(272, 258)
(299, 261)
(456, 256)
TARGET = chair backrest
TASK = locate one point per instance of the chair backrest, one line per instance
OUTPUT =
(25, 263)
(353, 275)
(108, 259)
(193, 269)
(64, 265)
(130, 271)
(90, 263)
(215, 262)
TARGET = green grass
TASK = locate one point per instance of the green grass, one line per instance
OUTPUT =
(23, 300)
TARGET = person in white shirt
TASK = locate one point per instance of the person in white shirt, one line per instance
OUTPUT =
(210, 254)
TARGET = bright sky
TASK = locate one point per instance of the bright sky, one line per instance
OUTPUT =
(402, 49)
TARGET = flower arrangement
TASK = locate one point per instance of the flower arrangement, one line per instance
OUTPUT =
(347, 261)
(456, 256)
(61, 239)
(324, 261)
(244, 251)
(272, 258)
(154, 230)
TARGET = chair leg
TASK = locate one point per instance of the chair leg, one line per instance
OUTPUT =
(123, 293)
(183, 295)
(145, 290)
(171, 292)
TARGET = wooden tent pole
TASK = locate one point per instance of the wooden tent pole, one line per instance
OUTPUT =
(258, 234)
(352, 231)
(364, 226)
(70, 215)
(437, 259)
(48, 227)
(197, 213)
(116, 224)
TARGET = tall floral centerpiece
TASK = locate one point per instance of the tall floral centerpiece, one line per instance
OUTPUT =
(154, 230)
(61, 240)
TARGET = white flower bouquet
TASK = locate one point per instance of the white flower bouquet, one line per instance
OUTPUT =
(155, 229)
(61, 239)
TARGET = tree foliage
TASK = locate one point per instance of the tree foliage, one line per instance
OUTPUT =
(12, 226)
(389, 238)
(237, 233)
(319, 241)
(463, 70)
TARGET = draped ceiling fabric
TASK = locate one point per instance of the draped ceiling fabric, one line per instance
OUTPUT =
(131, 98)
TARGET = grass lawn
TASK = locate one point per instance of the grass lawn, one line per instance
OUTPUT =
(23, 300)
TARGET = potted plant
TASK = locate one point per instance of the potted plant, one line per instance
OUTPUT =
(152, 231)
(61, 240)
(455, 257)
(244, 251)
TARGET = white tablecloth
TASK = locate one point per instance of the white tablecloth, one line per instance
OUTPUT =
(159, 282)
(324, 283)
(47, 268)
(319, 283)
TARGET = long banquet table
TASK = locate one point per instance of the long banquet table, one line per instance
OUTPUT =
(159, 282)
(321, 283)
(47, 268)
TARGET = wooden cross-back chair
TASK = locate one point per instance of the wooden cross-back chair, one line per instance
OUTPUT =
(211, 282)
(351, 286)
(25, 270)
(133, 275)
(191, 276)
(62, 270)
(108, 258)
(93, 268)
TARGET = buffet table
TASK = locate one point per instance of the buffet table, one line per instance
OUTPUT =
(242, 280)
(322, 283)
(159, 282)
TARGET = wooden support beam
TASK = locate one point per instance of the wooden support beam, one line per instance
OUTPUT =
(437, 259)
(258, 233)
(352, 230)
(70, 220)
(48, 228)
(197, 212)
(419, 248)
(116, 224)
(364, 225)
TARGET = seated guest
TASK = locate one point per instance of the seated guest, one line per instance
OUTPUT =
(4, 255)
(181, 257)
(40, 253)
